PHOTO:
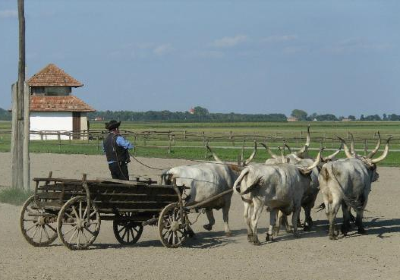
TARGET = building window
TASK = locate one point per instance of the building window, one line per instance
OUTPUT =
(37, 90)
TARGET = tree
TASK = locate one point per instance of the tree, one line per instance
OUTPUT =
(200, 111)
(299, 114)
(351, 117)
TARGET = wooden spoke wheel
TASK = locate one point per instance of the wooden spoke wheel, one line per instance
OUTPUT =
(38, 227)
(77, 225)
(172, 227)
(127, 231)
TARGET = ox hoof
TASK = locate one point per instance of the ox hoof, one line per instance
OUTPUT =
(207, 227)
(250, 237)
(269, 237)
(191, 233)
(307, 228)
(256, 242)
(228, 234)
(362, 231)
(332, 237)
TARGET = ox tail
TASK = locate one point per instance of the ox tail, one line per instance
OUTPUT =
(166, 178)
(236, 185)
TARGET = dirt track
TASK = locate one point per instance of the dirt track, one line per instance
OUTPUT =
(211, 255)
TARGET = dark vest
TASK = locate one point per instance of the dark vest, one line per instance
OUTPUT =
(113, 151)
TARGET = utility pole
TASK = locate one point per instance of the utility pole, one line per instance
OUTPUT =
(20, 115)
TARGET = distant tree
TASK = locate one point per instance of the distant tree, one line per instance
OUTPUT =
(394, 117)
(312, 117)
(385, 118)
(201, 111)
(351, 117)
(327, 117)
(299, 114)
(373, 118)
(362, 117)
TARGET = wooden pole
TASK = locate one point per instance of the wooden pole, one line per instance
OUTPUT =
(18, 107)
(26, 157)
(14, 137)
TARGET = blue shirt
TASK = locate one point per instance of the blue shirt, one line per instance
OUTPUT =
(122, 142)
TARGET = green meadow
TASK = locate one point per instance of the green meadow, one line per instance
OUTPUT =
(228, 140)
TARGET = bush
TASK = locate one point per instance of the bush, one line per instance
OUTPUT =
(14, 196)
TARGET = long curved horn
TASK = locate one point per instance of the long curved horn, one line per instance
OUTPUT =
(287, 147)
(373, 152)
(346, 149)
(352, 150)
(330, 157)
(252, 155)
(307, 144)
(315, 163)
(216, 158)
(283, 158)
(269, 151)
(385, 152)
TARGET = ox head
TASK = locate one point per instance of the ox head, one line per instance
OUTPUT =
(368, 161)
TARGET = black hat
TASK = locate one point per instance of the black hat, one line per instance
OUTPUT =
(113, 124)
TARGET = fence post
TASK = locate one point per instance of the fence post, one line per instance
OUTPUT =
(206, 150)
(184, 135)
(59, 140)
(169, 144)
(98, 143)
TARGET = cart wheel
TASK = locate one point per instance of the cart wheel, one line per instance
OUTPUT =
(74, 230)
(171, 226)
(38, 227)
(127, 231)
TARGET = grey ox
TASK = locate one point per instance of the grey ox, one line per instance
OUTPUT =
(279, 187)
(301, 158)
(205, 181)
(347, 183)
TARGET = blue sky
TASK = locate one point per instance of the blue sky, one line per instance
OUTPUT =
(323, 56)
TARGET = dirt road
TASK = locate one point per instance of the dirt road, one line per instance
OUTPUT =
(210, 255)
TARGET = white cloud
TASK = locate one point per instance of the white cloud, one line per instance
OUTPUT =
(279, 39)
(163, 49)
(9, 14)
(228, 42)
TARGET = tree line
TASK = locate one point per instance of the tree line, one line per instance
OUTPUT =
(200, 114)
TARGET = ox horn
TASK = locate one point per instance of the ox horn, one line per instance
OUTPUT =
(346, 149)
(216, 158)
(283, 158)
(306, 145)
(252, 155)
(287, 146)
(269, 151)
(352, 150)
(373, 152)
(307, 170)
(330, 157)
(385, 152)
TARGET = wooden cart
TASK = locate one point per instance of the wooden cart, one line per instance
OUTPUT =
(73, 211)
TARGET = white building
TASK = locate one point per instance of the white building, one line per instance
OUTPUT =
(53, 107)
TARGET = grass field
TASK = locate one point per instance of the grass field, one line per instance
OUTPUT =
(227, 138)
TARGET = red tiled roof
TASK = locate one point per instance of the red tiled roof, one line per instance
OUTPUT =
(52, 76)
(58, 104)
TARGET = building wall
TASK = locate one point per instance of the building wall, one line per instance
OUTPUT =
(50, 121)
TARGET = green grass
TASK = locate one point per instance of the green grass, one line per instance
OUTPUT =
(218, 135)
(14, 196)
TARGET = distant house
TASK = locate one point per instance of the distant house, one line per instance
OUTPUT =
(346, 120)
(53, 107)
(191, 111)
(292, 119)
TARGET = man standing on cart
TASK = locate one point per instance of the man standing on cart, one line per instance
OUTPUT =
(116, 149)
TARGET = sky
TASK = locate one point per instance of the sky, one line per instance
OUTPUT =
(322, 56)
